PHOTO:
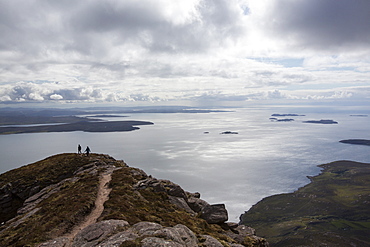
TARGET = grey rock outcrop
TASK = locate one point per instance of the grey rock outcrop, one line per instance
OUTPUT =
(145, 234)
(214, 214)
(95, 233)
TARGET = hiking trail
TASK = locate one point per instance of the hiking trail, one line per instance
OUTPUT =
(102, 197)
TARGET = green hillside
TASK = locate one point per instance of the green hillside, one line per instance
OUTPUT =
(333, 210)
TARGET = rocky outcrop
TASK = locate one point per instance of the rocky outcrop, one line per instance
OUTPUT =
(214, 214)
(115, 233)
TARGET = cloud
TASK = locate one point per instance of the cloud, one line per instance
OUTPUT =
(56, 97)
(161, 50)
(331, 25)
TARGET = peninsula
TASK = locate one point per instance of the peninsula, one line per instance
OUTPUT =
(86, 126)
(356, 142)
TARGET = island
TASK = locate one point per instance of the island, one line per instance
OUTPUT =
(286, 115)
(229, 133)
(356, 141)
(274, 119)
(322, 121)
(333, 210)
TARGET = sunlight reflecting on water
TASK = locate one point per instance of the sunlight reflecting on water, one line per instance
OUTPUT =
(265, 158)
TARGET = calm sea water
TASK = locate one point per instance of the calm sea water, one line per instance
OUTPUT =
(265, 158)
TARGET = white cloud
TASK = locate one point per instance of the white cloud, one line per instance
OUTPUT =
(56, 97)
(96, 51)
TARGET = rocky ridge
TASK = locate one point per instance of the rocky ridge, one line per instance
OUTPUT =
(73, 200)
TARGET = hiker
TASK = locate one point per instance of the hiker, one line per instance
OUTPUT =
(87, 151)
(79, 149)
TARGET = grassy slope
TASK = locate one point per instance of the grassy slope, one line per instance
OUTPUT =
(60, 211)
(333, 209)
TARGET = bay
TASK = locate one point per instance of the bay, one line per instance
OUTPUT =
(263, 159)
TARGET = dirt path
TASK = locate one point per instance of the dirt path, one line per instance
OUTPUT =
(102, 197)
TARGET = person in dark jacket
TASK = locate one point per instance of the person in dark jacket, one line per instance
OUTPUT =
(79, 149)
(87, 151)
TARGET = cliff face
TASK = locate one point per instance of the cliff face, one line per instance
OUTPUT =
(74, 200)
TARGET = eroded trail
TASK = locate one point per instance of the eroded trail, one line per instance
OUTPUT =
(102, 197)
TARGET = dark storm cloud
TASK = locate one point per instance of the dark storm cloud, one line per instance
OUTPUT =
(322, 24)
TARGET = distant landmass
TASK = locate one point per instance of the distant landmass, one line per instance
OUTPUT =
(105, 115)
(333, 210)
(36, 120)
(322, 121)
(86, 126)
(356, 141)
(286, 115)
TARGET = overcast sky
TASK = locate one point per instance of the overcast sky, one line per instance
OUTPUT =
(198, 51)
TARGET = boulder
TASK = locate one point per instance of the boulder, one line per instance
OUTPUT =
(181, 203)
(197, 204)
(242, 232)
(214, 214)
(160, 185)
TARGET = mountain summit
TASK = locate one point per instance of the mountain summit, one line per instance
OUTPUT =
(75, 200)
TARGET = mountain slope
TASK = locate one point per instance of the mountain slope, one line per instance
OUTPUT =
(74, 200)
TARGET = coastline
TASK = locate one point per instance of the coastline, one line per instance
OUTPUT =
(332, 208)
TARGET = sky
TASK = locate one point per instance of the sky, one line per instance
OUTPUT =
(196, 51)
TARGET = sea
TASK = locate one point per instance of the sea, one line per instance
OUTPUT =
(262, 156)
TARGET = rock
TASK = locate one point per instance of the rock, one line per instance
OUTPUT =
(195, 194)
(145, 228)
(120, 238)
(209, 241)
(214, 214)
(181, 203)
(94, 233)
(179, 234)
(58, 242)
(197, 204)
(159, 242)
(160, 185)
(154, 234)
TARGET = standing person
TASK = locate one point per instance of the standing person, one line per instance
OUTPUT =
(87, 151)
(79, 149)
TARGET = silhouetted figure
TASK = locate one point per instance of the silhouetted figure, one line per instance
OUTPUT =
(79, 149)
(87, 151)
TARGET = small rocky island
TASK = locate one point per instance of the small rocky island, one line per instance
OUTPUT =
(274, 119)
(76, 200)
(229, 133)
(286, 115)
(322, 121)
